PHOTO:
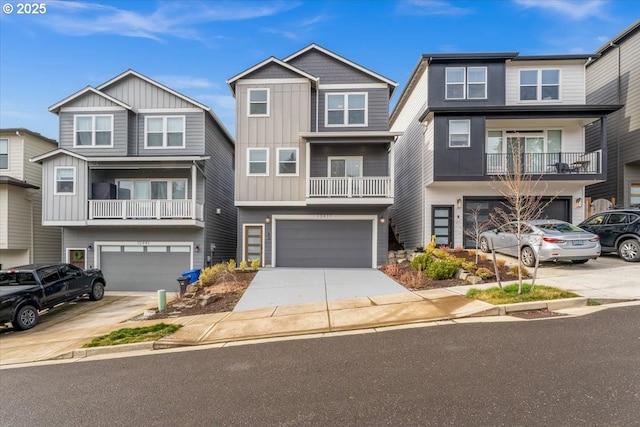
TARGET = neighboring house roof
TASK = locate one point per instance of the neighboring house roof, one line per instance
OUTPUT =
(16, 182)
(359, 67)
(622, 36)
(62, 151)
(232, 81)
(30, 132)
(516, 111)
(364, 136)
(469, 56)
(55, 108)
(580, 57)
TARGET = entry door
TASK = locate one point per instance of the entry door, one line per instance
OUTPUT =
(77, 257)
(253, 243)
(442, 225)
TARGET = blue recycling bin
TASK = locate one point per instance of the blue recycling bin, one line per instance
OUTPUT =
(193, 275)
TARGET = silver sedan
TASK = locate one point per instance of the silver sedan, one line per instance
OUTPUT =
(546, 239)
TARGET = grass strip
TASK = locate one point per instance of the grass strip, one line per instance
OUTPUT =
(509, 294)
(134, 335)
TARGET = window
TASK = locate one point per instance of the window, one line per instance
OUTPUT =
(65, 180)
(350, 166)
(634, 194)
(459, 133)
(258, 103)
(164, 132)
(287, 161)
(539, 85)
(93, 131)
(346, 109)
(4, 154)
(258, 159)
(466, 83)
(156, 189)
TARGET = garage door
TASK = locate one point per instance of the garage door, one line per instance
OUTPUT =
(144, 268)
(330, 243)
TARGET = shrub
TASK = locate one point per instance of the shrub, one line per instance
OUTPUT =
(209, 275)
(441, 270)
(392, 270)
(412, 279)
(484, 273)
(255, 264)
(421, 262)
(483, 257)
(501, 262)
(231, 265)
(472, 252)
(243, 265)
(467, 265)
(523, 269)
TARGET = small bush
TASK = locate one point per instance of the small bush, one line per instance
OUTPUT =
(412, 280)
(501, 262)
(421, 262)
(484, 273)
(467, 265)
(243, 265)
(483, 257)
(209, 275)
(231, 265)
(392, 270)
(472, 252)
(441, 270)
(523, 269)
(255, 264)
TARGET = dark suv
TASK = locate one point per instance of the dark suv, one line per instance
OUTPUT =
(619, 231)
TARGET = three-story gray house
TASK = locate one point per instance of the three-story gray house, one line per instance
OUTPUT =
(314, 161)
(463, 114)
(141, 184)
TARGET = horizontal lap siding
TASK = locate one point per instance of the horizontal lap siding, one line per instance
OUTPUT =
(572, 82)
(330, 70)
(120, 134)
(194, 135)
(377, 111)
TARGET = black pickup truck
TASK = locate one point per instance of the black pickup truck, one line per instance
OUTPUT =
(26, 290)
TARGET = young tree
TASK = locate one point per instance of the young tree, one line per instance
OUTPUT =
(475, 227)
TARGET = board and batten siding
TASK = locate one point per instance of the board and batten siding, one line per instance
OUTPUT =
(194, 135)
(120, 133)
(219, 169)
(141, 94)
(68, 208)
(410, 156)
(289, 114)
(572, 81)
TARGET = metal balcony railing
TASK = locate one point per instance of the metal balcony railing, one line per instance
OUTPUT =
(545, 163)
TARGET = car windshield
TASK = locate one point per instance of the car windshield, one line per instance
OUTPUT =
(559, 227)
(16, 278)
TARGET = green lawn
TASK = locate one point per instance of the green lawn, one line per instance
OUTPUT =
(133, 335)
(509, 294)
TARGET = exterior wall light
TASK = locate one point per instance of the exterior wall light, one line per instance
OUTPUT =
(267, 220)
(579, 202)
(89, 248)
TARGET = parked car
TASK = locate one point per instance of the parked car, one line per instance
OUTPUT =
(619, 231)
(26, 290)
(545, 239)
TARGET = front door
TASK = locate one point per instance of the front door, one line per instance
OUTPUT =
(253, 243)
(442, 225)
(77, 257)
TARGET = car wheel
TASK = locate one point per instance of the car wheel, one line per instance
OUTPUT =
(484, 245)
(579, 261)
(97, 292)
(528, 257)
(629, 250)
(26, 317)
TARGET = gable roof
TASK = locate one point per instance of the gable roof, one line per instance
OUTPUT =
(56, 152)
(271, 60)
(55, 108)
(30, 132)
(337, 57)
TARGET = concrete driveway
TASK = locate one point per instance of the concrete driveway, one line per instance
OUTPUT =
(68, 326)
(288, 286)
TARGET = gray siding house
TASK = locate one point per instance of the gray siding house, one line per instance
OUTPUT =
(612, 77)
(461, 115)
(141, 184)
(314, 161)
(23, 239)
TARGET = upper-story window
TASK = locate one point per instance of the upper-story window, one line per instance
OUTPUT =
(346, 109)
(459, 133)
(466, 83)
(164, 132)
(93, 130)
(258, 161)
(539, 85)
(65, 180)
(287, 161)
(258, 103)
(4, 154)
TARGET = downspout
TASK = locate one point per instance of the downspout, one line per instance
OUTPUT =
(317, 104)
(617, 127)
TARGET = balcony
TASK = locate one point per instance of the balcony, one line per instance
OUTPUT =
(144, 209)
(546, 163)
(362, 190)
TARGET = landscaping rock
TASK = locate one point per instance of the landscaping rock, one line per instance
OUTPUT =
(192, 289)
(474, 280)
(205, 300)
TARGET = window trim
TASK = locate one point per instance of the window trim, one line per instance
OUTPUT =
(468, 145)
(539, 85)
(73, 181)
(484, 82)
(249, 150)
(165, 132)
(346, 110)
(5, 154)
(463, 83)
(278, 161)
(256, 89)
(169, 182)
(93, 130)
(345, 158)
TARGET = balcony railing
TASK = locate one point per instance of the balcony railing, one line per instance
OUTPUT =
(370, 186)
(545, 163)
(144, 209)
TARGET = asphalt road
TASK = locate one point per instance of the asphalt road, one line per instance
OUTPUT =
(582, 371)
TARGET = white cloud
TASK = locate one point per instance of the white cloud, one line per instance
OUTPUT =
(298, 29)
(170, 19)
(431, 7)
(184, 82)
(572, 9)
(219, 103)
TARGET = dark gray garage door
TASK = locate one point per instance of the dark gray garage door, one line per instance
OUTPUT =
(157, 267)
(330, 243)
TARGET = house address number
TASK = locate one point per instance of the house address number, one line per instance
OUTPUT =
(324, 216)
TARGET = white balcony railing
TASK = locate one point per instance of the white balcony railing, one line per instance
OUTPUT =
(369, 186)
(143, 209)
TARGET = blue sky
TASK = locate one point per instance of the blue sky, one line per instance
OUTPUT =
(195, 46)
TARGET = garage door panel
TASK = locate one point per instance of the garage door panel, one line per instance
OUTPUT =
(143, 271)
(328, 243)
